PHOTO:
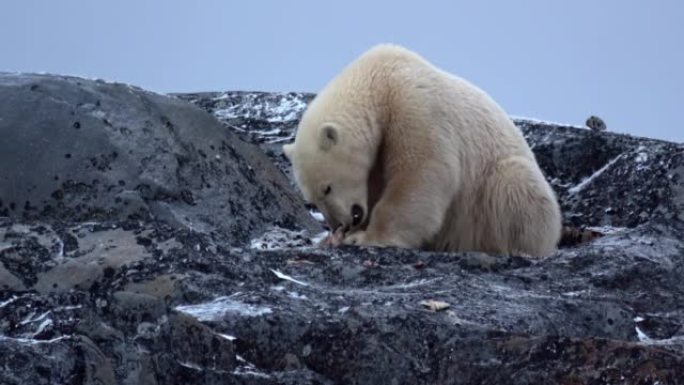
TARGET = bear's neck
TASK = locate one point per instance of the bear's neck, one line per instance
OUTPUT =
(372, 98)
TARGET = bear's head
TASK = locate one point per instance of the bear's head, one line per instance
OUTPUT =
(331, 169)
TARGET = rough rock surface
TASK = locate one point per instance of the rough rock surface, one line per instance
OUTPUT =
(267, 119)
(100, 296)
(91, 150)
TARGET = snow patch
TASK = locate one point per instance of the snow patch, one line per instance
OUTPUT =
(190, 365)
(252, 373)
(587, 180)
(641, 158)
(318, 238)
(607, 230)
(524, 119)
(31, 341)
(227, 336)
(73, 307)
(642, 336)
(9, 301)
(29, 320)
(288, 278)
(642, 155)
(221, 307)
(278, 238)
(317, 215)
(248, 368)
(47, 322)
(295, 295)
(574, 293)
(60, 250)
(99, 114)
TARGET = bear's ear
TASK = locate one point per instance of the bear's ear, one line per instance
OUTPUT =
(288, 150)
(328, 137)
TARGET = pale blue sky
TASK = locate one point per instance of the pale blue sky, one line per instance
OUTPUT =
(549, 59)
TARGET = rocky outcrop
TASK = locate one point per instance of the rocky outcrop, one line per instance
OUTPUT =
(610, 179)
(266, 119)
(96, 292)
(90, 150)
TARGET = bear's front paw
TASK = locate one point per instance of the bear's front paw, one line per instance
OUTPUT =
(356, 239)
(362, 238)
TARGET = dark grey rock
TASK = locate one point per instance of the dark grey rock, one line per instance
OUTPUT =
(91, 150)
(610, 179)
(595, 123)
(112, 338)
(143, 300)
(267, 119)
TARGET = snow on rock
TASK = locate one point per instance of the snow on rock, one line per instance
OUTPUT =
(279, 238)
(222, 307)
(279, 108)
(268, 118)
(577, 188)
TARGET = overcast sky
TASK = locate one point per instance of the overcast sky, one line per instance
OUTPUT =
(548, 59)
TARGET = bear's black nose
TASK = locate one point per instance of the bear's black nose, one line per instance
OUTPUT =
(357, 214)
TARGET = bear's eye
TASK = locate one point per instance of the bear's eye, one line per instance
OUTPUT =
(327, 190)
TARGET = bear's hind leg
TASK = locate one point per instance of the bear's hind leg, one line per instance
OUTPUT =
(522, 210)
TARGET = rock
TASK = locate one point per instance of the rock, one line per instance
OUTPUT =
(610, 179)
(267, 119)
(114, 299)
(595, 123)
(90, 151)
(126, 338)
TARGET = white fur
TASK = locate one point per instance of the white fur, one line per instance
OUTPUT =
(439, 164)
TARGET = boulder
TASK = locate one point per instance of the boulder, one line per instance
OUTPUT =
(86, 150)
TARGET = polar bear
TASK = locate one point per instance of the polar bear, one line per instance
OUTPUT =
(396, 152)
